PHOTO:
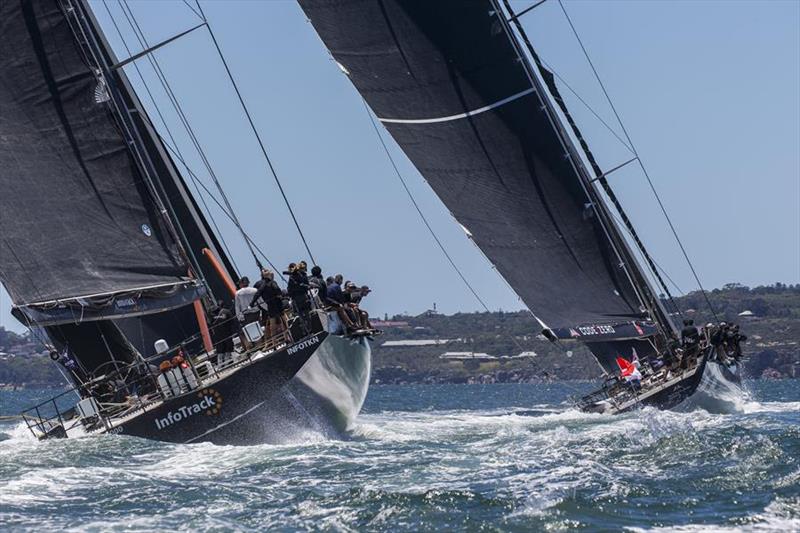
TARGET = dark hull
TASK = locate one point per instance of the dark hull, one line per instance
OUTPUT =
(317, 385)
(672, 395)
(699, 387)
(719, 390)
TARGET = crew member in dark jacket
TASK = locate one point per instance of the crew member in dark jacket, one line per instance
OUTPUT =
(316, 281)
(297, 288)
(336, 299)
(689, 334)
(272, 297)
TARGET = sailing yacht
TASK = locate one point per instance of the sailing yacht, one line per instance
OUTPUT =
(461, 89)
(110, 261)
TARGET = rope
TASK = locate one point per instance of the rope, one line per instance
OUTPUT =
(255, 131)
(639, 159)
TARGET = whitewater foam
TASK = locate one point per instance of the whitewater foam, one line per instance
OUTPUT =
(537, 466)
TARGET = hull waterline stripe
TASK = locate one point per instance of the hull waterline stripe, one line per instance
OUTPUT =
(232, 420)
(459, 116)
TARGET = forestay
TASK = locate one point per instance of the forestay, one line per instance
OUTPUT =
(447, 81)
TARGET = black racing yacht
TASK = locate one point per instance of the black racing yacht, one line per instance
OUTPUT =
(461, 89)
(111, 262)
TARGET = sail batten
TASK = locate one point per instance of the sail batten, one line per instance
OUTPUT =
(449, 83)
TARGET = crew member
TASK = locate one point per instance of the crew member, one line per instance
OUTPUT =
(336, 299)
(245, 313)
(223, 328)
(316, 281)
(720, 342)
(270, 297)
(334, 290)
(297, 288)
(353, 296)
(689, 334)
(262, 305)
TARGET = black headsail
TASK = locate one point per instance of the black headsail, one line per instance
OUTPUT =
(451, 83)
(82, 235)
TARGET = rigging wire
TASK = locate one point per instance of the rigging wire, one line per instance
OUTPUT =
(586, 104)
(661, 269)
(168, 130)
(639, 159)
(137, 30)
(192, 9)
(177, 156)
(255, 131)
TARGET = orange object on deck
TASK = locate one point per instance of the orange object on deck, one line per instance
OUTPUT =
(200, 313)
(221, 272)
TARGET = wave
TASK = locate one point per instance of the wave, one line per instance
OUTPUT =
(537, 466)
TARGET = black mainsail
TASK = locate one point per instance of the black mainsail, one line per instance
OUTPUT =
(97, 222)
(101, 238)
(78, 220)
(451, 83)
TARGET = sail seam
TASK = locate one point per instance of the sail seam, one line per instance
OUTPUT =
(460, 115)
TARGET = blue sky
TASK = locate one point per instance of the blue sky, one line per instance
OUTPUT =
(709, 91)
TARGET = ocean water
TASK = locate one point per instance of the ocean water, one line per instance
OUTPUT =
(422, 458)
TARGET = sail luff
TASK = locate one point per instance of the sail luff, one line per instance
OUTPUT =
(598, 205)
(647, 295)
